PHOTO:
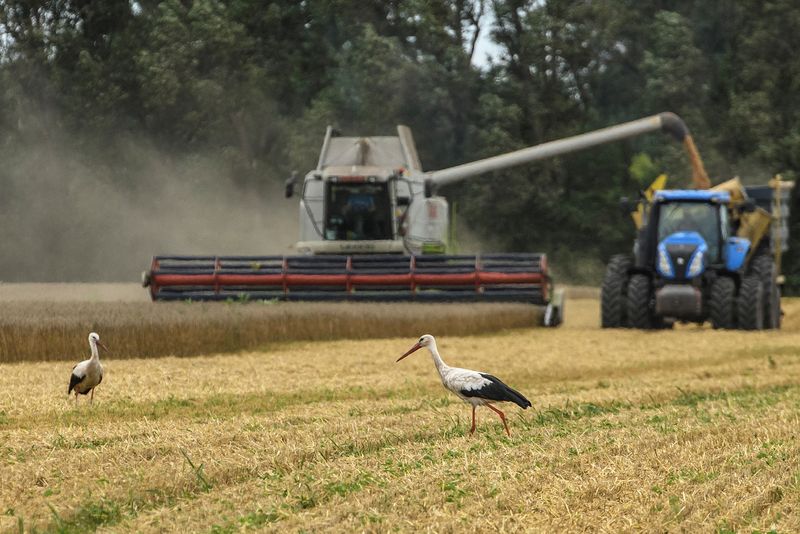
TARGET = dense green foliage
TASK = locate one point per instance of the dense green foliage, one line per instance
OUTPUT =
(255, 83)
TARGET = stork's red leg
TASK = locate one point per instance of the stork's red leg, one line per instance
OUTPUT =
(472, 430)
(91, 397)
(76, 398)
(502, 418)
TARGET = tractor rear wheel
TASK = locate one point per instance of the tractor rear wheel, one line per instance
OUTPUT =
(639, 295)
(750, 304)
(722, 305)
(763, 266)
(613, 295)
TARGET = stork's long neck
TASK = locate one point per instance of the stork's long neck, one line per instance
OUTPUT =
(437, 359)
(95, 352)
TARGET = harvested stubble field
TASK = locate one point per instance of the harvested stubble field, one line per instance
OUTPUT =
(684, 430)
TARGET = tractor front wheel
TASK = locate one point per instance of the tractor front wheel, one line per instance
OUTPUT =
(613, 295)
(750, 304)
(722, 306)
(639, 310)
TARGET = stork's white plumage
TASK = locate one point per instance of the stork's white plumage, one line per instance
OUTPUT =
(87, 374)
(473, 387)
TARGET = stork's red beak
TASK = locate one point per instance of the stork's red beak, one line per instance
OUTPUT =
(104, 347)
(416, 347)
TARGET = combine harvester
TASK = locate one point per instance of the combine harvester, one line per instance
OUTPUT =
(372, 227)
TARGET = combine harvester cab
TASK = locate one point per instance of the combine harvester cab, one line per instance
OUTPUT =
(372, 227)
(702, 255)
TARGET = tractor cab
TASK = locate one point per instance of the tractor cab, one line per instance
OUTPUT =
(689, 231)
(685, 245)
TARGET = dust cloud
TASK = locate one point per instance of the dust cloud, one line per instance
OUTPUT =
(65, 217)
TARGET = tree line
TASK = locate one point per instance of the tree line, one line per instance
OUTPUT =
(255, 83)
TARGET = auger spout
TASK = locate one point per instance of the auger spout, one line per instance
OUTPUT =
(667, 122)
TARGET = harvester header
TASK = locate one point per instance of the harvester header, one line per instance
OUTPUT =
(435, 278)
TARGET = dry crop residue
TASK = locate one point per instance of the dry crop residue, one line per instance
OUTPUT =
(683, 430)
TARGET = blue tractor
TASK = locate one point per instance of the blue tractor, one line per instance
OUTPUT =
(701, 255)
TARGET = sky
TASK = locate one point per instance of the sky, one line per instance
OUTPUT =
(485, 46)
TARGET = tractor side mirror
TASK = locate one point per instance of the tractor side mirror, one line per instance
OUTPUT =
(290, 183)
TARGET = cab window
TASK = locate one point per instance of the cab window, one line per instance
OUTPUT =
(358, 211)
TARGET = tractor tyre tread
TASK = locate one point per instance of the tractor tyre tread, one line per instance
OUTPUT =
(722, 305)
(750, 303)
(613, 295)
(763, 266)
(639, 294)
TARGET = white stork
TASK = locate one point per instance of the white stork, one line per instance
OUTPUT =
(87, 374)
(477, 389)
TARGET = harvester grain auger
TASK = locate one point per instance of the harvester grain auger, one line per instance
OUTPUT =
(372, 227)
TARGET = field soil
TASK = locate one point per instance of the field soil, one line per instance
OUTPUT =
(683, 430)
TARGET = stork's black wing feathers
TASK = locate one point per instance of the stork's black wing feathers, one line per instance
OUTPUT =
(497, 390)
(74, 380)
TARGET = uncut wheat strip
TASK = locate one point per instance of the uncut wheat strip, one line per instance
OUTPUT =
(189, 330)
(39, 331)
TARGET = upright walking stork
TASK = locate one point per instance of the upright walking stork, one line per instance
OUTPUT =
(477, 389)
(87, 374)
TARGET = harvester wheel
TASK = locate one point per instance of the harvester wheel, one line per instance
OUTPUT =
(723, 303)
(613, 295)
(750, 304)
(763, 266)
(639, 310)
